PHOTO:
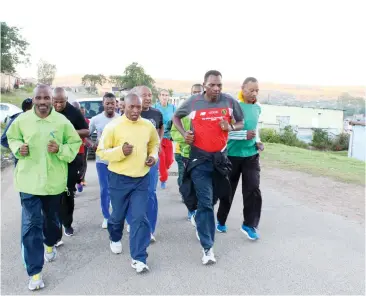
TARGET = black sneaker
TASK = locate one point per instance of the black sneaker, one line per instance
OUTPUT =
(69, 231)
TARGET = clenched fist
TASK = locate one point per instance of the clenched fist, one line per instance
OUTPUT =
(127, 149)
(24, 150)
(52, 147)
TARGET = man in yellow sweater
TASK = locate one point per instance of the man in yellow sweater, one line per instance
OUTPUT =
(130, 144)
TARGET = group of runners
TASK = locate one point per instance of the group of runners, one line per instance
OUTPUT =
(216, 141)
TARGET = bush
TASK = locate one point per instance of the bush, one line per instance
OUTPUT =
(321, 139)
(269, 135)
(340, 142)
(287, 137)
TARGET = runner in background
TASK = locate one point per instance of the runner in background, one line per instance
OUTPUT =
(182, 149)
(44, 142)
(130, 144)
(166, 148)
(98, 124)
(74, 115)
(243, 151)
(87, 142)
(121, 106)
(212, 116)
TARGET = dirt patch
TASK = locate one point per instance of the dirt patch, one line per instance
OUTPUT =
(324, 194)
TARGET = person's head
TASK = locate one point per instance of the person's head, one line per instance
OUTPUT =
(82, 110)
(76, 104)
(109, 104)
(27, 104)
(196, 89)
(250, 89)
(121, 104)
(133, 106)
(145, 94)
(164, 97)
(213, 84)
(59, 99)
(42, 100)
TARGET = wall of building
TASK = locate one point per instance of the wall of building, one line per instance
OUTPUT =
(303, 118)
(357, 145)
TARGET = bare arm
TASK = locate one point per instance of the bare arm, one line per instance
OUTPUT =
(83, 133)
(161, 132)
(178, 124)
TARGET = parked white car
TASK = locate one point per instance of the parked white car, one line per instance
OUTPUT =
(7, 110)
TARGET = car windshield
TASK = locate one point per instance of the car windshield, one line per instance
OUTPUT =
(92, 108)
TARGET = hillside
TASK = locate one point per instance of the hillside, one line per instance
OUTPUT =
(298, 92)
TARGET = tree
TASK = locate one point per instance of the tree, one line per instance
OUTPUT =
(90, 81)
(135, 75)
(171, 92)
(13, 48)
(46, 72)
(116, 80)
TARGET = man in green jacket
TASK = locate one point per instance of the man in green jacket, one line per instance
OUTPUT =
(44, 142)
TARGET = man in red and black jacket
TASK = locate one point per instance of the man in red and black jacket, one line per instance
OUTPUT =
(212, 115)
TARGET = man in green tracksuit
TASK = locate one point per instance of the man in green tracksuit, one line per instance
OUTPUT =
(44, 142)
(243, 152)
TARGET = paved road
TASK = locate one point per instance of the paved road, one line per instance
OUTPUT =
(302, 251)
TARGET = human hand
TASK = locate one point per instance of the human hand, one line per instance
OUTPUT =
(24, 150)
(52, 147)
(127, 149)
(251, 135)
(150, 161)
(189, 137)
(224, 125)
(260, 146)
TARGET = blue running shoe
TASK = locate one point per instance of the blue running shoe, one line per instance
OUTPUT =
(221, 228)
(250, 232)
(163, 185)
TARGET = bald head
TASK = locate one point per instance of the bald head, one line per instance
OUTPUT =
(59, 99)
(43, 87)
(133, 106)
(145, 94)
(76, 104)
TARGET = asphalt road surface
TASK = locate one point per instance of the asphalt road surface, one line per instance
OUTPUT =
(301, 251)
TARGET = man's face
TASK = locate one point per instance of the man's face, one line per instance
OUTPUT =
(59, 102)
(146, 97)
(133, 108)
(196, 90)
(82, 110)
(250, 91)
(43, 100)
(213, 87)
(109, 105)
(164, 97)
(121, 105)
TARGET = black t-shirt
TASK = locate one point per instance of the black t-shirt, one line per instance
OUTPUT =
(75, 117)
(155, 116)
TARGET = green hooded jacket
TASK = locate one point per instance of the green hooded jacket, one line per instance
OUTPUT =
(40, 172)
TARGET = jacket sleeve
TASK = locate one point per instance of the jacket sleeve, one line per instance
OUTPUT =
(153, 145)
(68, 150)
(106, 150)
(15, 139)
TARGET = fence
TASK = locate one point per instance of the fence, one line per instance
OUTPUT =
(8, 82)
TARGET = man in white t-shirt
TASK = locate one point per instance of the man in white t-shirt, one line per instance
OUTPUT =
(97, 123)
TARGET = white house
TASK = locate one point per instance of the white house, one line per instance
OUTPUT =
(357, 141)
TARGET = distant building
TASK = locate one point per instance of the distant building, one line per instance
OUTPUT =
(303, 120)
(357, 141)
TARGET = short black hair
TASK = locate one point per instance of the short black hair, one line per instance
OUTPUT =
(249, 79)
(27, 104)
(197, 85)
(109, 95)
(213, 73)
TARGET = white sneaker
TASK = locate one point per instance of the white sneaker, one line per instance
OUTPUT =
(208, 257)
(105, 224)
(116, 247)
(152, 239)
(128, 228)
(59, 243)
(139, 266)
(193, 220)
(50, 255)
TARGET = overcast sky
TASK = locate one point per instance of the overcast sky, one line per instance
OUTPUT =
(304, 42)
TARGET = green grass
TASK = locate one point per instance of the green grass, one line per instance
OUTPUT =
(335, 165)
(16, 97)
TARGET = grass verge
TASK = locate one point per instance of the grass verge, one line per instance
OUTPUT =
(335, 165)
